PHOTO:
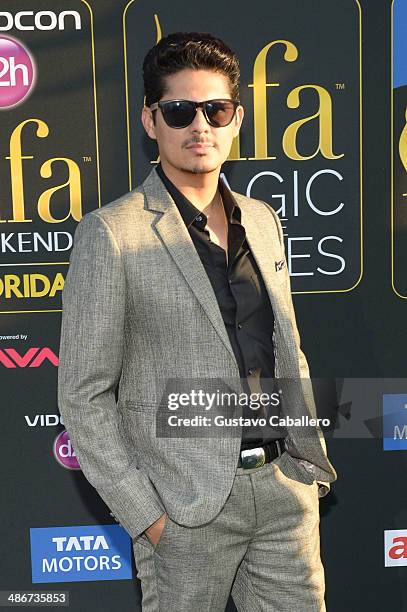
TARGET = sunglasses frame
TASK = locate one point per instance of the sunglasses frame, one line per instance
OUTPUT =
(162, 104)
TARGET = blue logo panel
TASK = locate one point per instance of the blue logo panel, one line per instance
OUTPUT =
(395, 422)
(80, 553)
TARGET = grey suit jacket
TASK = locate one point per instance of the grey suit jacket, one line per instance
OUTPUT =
(136, 304)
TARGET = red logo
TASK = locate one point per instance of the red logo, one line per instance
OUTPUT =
(395, 547)
(399, 550)
(32, 358)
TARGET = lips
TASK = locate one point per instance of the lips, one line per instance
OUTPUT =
(200, 146)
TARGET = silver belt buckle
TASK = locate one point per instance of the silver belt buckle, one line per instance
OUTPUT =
(253, 457)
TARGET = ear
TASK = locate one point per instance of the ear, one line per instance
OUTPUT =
(148, 123)
(238, 119)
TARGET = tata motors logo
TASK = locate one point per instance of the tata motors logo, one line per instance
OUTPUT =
(395, 547)
(395, 421)
(79, 554)
(17, 72)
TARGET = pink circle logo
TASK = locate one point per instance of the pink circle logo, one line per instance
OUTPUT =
(64, 452)
(17, 72)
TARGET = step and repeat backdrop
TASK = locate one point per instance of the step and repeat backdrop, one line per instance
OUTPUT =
(324, 141)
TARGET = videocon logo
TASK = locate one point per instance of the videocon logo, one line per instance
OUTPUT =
(17, 72)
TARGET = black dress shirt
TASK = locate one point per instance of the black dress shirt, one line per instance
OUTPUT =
(242, 298)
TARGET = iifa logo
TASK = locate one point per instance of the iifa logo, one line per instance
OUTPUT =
(395, 421)
(78, 554)
(395, 547)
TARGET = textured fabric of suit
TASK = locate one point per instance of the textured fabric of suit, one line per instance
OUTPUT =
(263, 548)
(138, 310)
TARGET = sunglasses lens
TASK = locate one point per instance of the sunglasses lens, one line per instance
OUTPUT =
(179, 113)
(220, 112)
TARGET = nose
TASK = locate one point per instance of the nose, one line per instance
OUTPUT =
(199, 123)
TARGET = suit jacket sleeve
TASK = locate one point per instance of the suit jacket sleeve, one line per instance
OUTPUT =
(323, 487)
(91, 353)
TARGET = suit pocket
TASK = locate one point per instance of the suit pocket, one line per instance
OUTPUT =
(292, 468)
(280, 275)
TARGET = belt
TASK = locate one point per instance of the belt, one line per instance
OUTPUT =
(256, 457)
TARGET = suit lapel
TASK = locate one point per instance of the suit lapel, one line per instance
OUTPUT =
(173, 233)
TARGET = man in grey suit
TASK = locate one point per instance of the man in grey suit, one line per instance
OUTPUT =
(184, 279)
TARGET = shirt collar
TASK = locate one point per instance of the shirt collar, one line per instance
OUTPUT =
(188, 211)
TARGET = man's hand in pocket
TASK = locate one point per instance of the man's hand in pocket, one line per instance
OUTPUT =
(154, 531)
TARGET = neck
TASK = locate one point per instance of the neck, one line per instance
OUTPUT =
(200, 188)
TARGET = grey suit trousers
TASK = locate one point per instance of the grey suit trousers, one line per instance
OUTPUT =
(262, 547)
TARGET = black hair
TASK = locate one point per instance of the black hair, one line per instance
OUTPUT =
(194, 50)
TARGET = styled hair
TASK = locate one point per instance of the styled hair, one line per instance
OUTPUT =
(194, 50)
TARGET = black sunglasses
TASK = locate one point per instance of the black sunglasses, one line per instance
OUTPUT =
(181, 113)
